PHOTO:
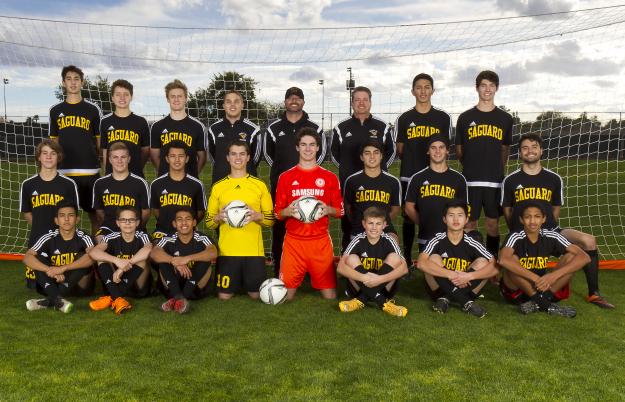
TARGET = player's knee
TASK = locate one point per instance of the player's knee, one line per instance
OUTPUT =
(435, 258)
(588, 242)
(393, 259)
(353, 261)
(224, 296)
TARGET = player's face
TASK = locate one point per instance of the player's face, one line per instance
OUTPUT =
(72, 83)
(532, 219)
(438, 152)
(66, 218)
(423, 91)
(177, 99)
(530, 151)
(238, 157)
(371, 157)
(486, 90)
(119, 160)
(184, 223)
(121, 98)
(294, 104)
(307, 148)
(361, 103)
(127, 222)
(176, 159)
(455, 219)
(374, 227)
(48, 158)
(233, 105)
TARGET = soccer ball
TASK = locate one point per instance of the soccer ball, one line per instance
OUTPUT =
(309, 209)
(272, 291)
(236, 214)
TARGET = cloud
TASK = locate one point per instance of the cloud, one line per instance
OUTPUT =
(531, 7)
(307, 74)
(604, 83)
(273, 13)
(566, 58)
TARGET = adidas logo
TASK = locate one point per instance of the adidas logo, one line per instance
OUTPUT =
(472, 124)
(220, 135)
(108, 281)
(167, 283)
(412, 125)
(57, 252)
(44, 254)
(125, 280)
(46, 285)
(164, 131)
(237, 187)
(192, 282)
(281, 134)
(364, 254)
(361, 188)
(295, 183)
(177, 253)
(111, 128)
(106, 191)
(426, 183)
(519, 186)
(444, 255)
(61, 114)
(348, 135)
(164, 192)
(35, 193)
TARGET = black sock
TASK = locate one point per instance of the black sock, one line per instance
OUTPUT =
(454, 293)
(106, 275)
(591, 270)
(128, 279)
(172, 282)
(197, 273)
(408, 233)
(492, 245)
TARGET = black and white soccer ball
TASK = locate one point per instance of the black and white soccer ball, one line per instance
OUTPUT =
(237, 214)
(308, 209)
(272, 291)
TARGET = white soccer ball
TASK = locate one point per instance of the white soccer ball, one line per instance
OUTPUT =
(237, 213)
(272, 291)
(309, 209)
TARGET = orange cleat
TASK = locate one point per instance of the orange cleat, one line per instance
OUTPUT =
(120, 305)
(102, 303)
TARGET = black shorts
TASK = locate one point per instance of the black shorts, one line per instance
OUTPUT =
(516, 296)
(240, 273)
(487, 198)
(84, 185)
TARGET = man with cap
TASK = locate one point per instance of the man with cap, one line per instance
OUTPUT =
(281, 153)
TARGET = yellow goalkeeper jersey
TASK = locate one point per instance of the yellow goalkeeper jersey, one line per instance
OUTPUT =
(248, 240)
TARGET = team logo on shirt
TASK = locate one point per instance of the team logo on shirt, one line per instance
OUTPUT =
(373, 195)
(175, 199)
(39, 200)
(533, 193)
(118, 200)
(62, 258)
(371, 263)
(421, 131)
(374, 133)
(485, 130)
(73, 121)
(437, 190)
(167, 137)
(456, 264)
(242, 136)
(320, 182)
(534, 262)
(122, 135)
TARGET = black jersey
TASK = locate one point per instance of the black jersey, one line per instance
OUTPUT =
(110, 194)
(544, 188)
(53, 250)
(120, 248)
(361, 192)
(372, 256)
(39, 197)
(280, 143)
(413, 129)
(430, 191)
(482, 134)
(168, 195)
(221, 134)
(188, 131)
(133, 131)
(349, 135)
(456, 257)
(77, 128)
(536, 255)
(173, 246)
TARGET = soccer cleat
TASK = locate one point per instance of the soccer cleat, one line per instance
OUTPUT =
(101, 303)
(348, 306)
(598, 300)
(563, 311)
(64, 306)
(181, 306)
(393, 309)
(120, 305)
(475, 309)
(441, 305)
(529, 307)
(37, 304)
(169, 305)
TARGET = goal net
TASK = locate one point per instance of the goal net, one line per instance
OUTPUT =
(560, 77)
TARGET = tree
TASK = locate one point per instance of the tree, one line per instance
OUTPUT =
(98, 91)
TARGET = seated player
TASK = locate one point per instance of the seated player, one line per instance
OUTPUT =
(372, 263)
(184, 261)
(122, 263)
(61, 261)
(526, 279)
(455, 265)
(241, 261)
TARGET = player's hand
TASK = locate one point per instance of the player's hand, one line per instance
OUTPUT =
(184, 271)
(59, 278)
(253, 216)
(461, 279)
(175, 261)
(324, 210)
(117, 275)
(290, 211)
(54, 271)
(544, 282)
(220, 216)
(372, 280)
(121, 263)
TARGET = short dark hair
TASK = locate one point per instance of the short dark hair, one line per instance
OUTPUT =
(373, 212)
(372, 142)
(239, 143)
(533, 137)
(304, 131)
(72, 69)
(532, 204)
(361, 89)
(65, 203)
(456, 203)
(122, 84)
(119, 210)
(423, 76)
(55, 146)
(177, 144)
(185, 208)
(487, 75)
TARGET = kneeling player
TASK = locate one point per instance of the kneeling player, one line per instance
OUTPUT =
(184, 262)
(60, 260)
(122, 262)
(455, 265)
(526, 281)
(372, 263)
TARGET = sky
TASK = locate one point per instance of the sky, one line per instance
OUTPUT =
(572, 73)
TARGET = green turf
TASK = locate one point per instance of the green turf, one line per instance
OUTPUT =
(306, 350)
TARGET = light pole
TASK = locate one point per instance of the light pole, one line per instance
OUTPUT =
(5, 81)
(350, 84)
(323, 102)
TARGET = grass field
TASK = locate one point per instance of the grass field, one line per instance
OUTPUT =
(306, 350)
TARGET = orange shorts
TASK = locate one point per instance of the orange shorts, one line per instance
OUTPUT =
(313, 256)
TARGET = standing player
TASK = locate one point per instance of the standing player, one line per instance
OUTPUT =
(525, 255)
(61, 261)
(40, 194)
(308, 246)
(372, 187)
(241, 261)
(458, 264)
(75, 125)
(122, 263)
(178, 126)
(483, 137)
(126, 127)
(350, 134)
(281, 154)
(118, 189)
(431, 188)
(232, 127)
(413, 128)
(174, 190)
(372, 263)
(184, 262)
(533, 183)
